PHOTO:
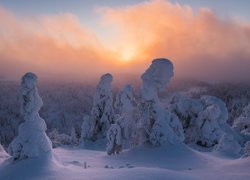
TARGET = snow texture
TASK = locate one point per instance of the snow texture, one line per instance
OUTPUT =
(32, 140)
(157, 125)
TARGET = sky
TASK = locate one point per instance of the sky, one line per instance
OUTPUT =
(82, 39)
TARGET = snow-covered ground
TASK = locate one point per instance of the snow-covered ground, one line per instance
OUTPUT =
(170, 162)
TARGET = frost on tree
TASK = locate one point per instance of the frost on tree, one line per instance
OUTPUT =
(125, 108)
(158, 126)
(188, 109)
(32, 140)
(211, 121)
(102, 115)
(204, 120)
(229, 145)
(242, 124)
(114, 136)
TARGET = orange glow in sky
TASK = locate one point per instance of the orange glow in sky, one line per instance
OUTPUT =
(200, 44)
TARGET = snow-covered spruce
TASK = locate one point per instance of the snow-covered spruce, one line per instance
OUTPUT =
(228, 145)
(125, 106)
(211, 121)
(32, 140)
(102, 114)
(114, 136)
(157, 125)
(187, 109)
(204, 120)
(242, 123)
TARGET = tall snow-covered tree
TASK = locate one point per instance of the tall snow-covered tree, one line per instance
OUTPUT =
(102, 113)
(157, 125)
(125, 105)
(32, 140)
(114, 136)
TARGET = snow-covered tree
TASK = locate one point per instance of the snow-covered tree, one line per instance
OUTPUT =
(157, 124)
(188, 109)
(32, 140)
(242, 123)
(75, 136)
(229, 145)
(59, 139)
(125, 107)
(102, 113)
(114, 136)
(211, 121)
(87, 128)
(204, 120)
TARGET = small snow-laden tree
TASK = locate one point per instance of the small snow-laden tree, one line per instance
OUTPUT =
(227, 144)
(75, 136)
(211, 121)
(187, 110)
(114, 136)
(155, 122)
(102, 114)
(32, 140)
(125, 105)
(87, 128)
(242, 123)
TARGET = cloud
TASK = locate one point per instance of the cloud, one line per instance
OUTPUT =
(201, 44)
(52, 46)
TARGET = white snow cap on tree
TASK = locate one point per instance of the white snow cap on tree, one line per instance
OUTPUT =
(102, 114)
(157, 124)
(32, 140)
(114, 136)
(156, 77)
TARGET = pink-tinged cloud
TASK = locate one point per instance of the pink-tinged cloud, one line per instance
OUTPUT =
(55, 47)
(201, 44)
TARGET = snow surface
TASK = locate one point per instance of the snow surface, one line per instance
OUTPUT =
(168, 162)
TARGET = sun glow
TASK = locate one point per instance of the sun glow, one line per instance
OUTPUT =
(127, 54)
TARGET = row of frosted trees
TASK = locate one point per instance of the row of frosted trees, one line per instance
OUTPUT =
(136, 120)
